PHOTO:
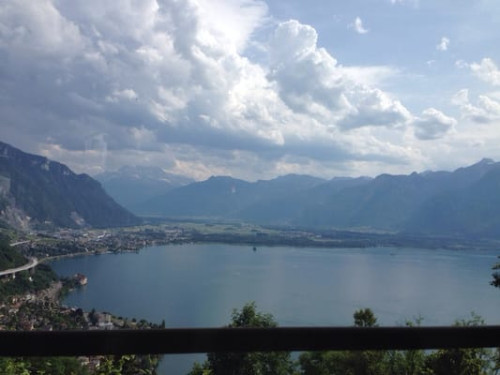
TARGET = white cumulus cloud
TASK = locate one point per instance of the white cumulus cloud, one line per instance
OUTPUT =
(169, 82)
(487, 71)
(486, 109)
(310, 81)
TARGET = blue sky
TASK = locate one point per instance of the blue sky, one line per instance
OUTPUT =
(252, 89)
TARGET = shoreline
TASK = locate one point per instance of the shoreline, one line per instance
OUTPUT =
(86, 253)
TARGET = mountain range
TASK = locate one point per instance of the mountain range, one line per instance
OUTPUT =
(35, 191)
(465, 202)
(131, 186)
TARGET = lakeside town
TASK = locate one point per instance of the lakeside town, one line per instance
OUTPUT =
(32, 300)
(39, 307)
(45, 245)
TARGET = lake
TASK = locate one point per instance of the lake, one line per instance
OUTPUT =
(198, 285)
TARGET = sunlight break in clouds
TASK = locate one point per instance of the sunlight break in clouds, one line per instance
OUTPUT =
(177, 78)
(205, 87)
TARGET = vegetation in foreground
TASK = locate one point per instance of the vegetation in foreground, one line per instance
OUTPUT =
(381, 362)
(30, 301)
(9, 258)
(414, 362)
(496, 275)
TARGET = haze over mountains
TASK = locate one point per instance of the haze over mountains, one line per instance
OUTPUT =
(131, 186)
(465, 202)
(462, 202)
(36, 191)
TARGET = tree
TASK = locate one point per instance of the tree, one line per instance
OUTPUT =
(367, 362)
(496, 276)
(93, 317)
(496, 283)
(365, 318)
(258, 363)
(408, 362)
(460, 361)
(56, 366)
(10, 366)
(130, 364)
(324, 363)
(347, 362)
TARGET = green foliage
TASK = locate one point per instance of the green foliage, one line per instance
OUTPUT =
(9, 257)
(345, 363)
(365, 318)
(380, 362)
(42, 366)
(43, 277)
(408, 362)
(56, 366)
(10, 366)
(127, 365)
(249, 317)
(496, 361)
(119, 365)
(200, 369)
(93, 317)
(269, 363)
(496, 276)
(460, 361)
(411, 362)
(320, 363)
(22, 284)
(496, 280)
(457, 361)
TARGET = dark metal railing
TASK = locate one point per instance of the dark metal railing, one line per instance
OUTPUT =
(202, 340)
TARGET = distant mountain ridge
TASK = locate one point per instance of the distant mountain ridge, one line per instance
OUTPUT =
(226, 197)
(38, 191)
(465, 202)
(472, 206)
(131, 186)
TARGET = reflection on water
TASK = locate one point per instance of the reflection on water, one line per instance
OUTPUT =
(199, 285)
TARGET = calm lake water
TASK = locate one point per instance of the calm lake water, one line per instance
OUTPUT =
(199, 285)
